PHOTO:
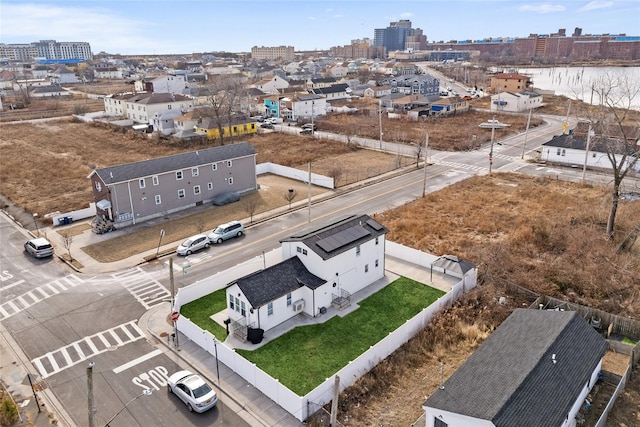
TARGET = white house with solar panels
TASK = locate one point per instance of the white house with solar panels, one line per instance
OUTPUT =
(321, 268)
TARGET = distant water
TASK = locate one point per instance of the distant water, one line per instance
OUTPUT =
(577, 82)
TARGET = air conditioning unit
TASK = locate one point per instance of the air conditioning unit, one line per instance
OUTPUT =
(298, 306)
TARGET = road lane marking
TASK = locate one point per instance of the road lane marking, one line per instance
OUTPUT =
(136, 361)
(58, 360)
(19, 282)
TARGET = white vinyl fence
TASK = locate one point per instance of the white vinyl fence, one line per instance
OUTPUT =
(323, 393)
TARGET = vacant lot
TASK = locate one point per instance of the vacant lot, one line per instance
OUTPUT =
(544, 235)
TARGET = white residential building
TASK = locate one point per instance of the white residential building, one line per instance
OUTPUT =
(144, 107)
(515, 102)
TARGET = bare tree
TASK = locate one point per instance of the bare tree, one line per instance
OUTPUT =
(615, 128)
(224, 102)
(335, 173)
(290, 195)
(251, 205)
(67, 239)
(417, 149)
(199, 225)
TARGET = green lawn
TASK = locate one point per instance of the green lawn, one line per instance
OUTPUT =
(200, 310)
(304, 357)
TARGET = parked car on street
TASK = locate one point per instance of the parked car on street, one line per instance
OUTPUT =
(226, 231)
(266, 126)
(313, 126)
(306, 131)
(38, 248)
(193, 244)
(192, 390)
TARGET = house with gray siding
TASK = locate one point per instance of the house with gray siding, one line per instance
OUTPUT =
(134, 192)
(536, 369)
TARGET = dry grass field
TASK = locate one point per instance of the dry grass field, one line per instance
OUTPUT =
(541, 234)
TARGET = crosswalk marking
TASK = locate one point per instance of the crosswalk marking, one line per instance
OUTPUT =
(144, 288)
(34, 296)
(70, 355)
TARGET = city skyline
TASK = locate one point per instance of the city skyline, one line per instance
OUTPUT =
(164, 27)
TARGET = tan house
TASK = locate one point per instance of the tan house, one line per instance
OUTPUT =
(510, 82)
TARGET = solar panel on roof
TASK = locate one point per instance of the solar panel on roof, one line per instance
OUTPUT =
(374, 224)
(342, 238)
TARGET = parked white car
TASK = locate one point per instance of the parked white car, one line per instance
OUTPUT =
(192, 390)
(193, 244)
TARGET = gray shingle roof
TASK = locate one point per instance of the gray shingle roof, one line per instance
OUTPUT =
(340, 236)
(276, 281)
(129, 171)
(337, 88)
(512, 380)
(576, 142)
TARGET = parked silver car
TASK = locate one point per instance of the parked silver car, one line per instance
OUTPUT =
(193, 244)
(39, 248)
(192, 390)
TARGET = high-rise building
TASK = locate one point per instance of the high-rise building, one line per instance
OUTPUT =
(399, 36)
(285, 53)
(47, 49)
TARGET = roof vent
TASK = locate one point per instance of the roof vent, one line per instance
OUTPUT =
(111, 174)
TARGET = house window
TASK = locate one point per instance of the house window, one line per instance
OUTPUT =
(270, 309)
(194, 171)
(230, 180)
(594, 155)
(181, 193)
(288, 299)
(358, 250)
(439, 423)
(237, 304)
(366, 268)
(377, 237)
(179, 175)
(304, 252)
(98, 186)
(210, 186)
(243, 308)
(564, 152)
(141, 183)
(169, 107)
(214, 167)
(158, 199)
(299, 249)
(376, 263)
(155, 180)
(196, 189)
(229, 163)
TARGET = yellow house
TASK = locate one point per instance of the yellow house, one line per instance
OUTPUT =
(239, 126)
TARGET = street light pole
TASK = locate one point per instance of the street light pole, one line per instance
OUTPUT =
(146, 392)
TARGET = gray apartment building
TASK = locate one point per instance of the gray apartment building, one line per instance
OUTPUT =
(130, 193)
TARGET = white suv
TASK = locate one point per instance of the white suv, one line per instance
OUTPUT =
(39, 248)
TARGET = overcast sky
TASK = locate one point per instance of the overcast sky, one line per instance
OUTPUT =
(188, 26)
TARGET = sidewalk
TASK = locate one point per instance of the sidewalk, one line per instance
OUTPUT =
(254, 407)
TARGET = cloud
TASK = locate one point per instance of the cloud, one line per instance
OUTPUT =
(543, 8)
(596, 4)
(25, 23)
(405, 15)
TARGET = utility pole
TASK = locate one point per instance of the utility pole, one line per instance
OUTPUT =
(380, 121)
(493, 133)
(90, 405)
(173, 299)
(586, 155)
(334, 402)
(424, 182)
(309, 191)
(526, 132)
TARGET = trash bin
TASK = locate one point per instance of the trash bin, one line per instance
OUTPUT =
(69, 220)
(61, 220)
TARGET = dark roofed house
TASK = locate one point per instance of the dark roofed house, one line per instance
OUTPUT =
(134, 192)
(536, 369)
(333, 92)
(321, 268)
